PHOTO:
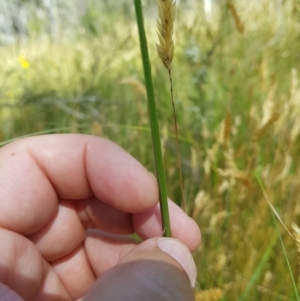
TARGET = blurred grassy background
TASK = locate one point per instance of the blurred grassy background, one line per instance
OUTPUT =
(237, 94)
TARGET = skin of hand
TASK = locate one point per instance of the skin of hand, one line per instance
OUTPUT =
(68, 204)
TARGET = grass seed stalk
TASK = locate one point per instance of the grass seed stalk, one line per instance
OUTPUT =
(165, 49)
(160, 172)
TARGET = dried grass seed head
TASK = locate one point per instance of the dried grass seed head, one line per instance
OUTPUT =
(213, 294)
(165, 24)
(296, 233)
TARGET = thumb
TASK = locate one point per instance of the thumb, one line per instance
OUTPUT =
(6, 294)
(157, 269)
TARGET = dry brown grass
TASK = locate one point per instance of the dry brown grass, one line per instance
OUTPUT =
(137, 85)
(165, 49)
(213, 294)
(296, 233)
(165, 24)
(237, 20)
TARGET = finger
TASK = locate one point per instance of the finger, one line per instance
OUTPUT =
(51, 287)
(113, 248)
(105, 250)
(98, 215)
(148, 224)
(36, 172)
(24, 271)
(77, 265)
(6, 294)
(151, 271)
(14, 269)
(66, 229)
(56, 239)
(101, 251)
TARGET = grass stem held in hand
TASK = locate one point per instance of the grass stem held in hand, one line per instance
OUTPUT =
(165, 49)
(160, 173)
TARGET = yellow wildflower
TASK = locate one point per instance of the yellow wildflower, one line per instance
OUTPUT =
(23, 62)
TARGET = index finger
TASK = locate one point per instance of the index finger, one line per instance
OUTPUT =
(36, 172)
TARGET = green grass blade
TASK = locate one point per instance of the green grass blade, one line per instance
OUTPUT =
(259, 268)
(286, 257)
(45, 132)
(160, 173)
(281, 241)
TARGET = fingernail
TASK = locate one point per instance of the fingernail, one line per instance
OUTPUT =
(181, 253)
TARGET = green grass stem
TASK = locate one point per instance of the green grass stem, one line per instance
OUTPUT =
(259, 269)
(45, 132)
(160, 173)
(286, 257)
(274, 216)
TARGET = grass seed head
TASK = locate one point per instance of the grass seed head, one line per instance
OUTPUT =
(135, 84)
(165, 24)
(202, 204)
(237, 20)
(296, 233)
(212, 294)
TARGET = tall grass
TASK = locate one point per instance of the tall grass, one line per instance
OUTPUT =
(237, 96)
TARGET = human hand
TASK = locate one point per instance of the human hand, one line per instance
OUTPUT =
(52, 190)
